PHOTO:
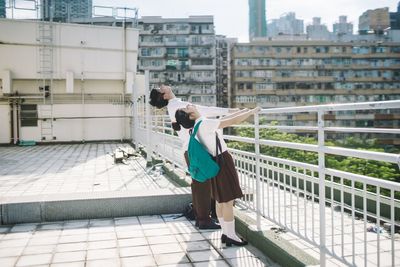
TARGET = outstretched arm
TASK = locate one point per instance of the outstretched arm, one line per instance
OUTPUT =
(226, 122)
(235, 113)
(213, 111)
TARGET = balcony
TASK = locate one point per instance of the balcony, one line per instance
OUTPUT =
(345, 218)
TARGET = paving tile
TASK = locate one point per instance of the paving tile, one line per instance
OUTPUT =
(13, 243)
(132, 242)
(236, 252)
(104, 263)
(101, 236)
(217, 263)
(69, 264)
(39, 249)
(72, 239)
(102, 254)
(135, 251)
(161, 239)
(141, 261)
(10, 252)
(173, 258)
(196, 245)
(190, 237)
(101, 244)
(157, 232)
(37, 259)
(69, 256)
(205, 255)
(8, 262)
(71, 247)
(169, 248)
(129, 234)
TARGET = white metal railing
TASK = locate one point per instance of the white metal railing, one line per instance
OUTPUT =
(332, 213)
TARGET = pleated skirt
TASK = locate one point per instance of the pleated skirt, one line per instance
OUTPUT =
(225, 186)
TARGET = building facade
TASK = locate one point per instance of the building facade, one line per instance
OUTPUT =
(395, 19)
(181, 53)
(86, 93)
(376, 20)
(318, 31)
(2, 8)
(284, 74)
(287, 24)
(257, 19)
(65, 10)
(223, 71)
(343, 27)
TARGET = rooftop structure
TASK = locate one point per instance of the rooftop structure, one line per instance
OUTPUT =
(287, 24)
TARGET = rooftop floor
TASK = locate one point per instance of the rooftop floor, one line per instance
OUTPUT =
(76, 168)
(162, 240)
(130, 241)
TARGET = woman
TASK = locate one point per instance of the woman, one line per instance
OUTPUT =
(225, 186)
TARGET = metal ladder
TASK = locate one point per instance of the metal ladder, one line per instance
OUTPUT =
(45, 73)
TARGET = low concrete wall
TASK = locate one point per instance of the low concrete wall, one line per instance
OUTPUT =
(93, 205)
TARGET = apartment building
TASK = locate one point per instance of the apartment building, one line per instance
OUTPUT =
(223, 69)
(180, 52)
(376, 20)
(283, 73)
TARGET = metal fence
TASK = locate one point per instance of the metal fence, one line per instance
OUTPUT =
(340, 212)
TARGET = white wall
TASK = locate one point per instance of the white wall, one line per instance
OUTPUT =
(76, 122)
(5, 124)
(97, 52)
(99, 58)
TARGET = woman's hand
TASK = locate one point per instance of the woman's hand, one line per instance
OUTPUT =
(255, 110)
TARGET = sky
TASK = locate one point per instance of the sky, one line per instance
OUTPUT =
(231, 16)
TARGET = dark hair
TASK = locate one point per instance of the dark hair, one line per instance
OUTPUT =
(182, 118)
(157, 99)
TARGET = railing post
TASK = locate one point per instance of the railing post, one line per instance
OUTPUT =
(148, 116)
(257, 157)
(321, 174)
(135, 121)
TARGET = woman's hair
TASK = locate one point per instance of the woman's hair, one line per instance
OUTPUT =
(157, 99)
(182, 118)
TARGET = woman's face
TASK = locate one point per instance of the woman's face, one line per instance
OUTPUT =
(192, 111)
(166, 91)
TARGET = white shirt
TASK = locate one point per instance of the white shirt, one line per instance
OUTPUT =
(206, 135)
(176, 103)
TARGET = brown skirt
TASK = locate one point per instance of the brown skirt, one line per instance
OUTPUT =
(225, 186)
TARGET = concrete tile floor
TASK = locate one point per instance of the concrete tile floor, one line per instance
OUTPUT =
(132, 241)
(38, 170)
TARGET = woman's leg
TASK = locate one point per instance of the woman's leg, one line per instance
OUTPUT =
(218, 210)
(229, 222)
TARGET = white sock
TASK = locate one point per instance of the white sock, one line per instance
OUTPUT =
(222, 223)
(230, 230)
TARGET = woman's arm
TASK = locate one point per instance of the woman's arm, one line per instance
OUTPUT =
(236, 113)
(226, 122)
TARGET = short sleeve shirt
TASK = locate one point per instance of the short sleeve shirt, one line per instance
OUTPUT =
(206, 135)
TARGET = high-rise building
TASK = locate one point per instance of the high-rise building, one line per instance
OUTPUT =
(223, 71)
(343, 27)
(65, 10)
(376, 20)
(2, 8)
(318, 31)
(257, 19)
(287, 24)
(180, 52)
(395, 19)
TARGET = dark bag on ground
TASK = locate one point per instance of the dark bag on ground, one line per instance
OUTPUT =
(189, 212)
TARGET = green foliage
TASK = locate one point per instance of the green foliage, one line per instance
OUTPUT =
(377, 169)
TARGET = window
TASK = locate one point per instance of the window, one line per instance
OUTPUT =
(196, 99)
(29, 116)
